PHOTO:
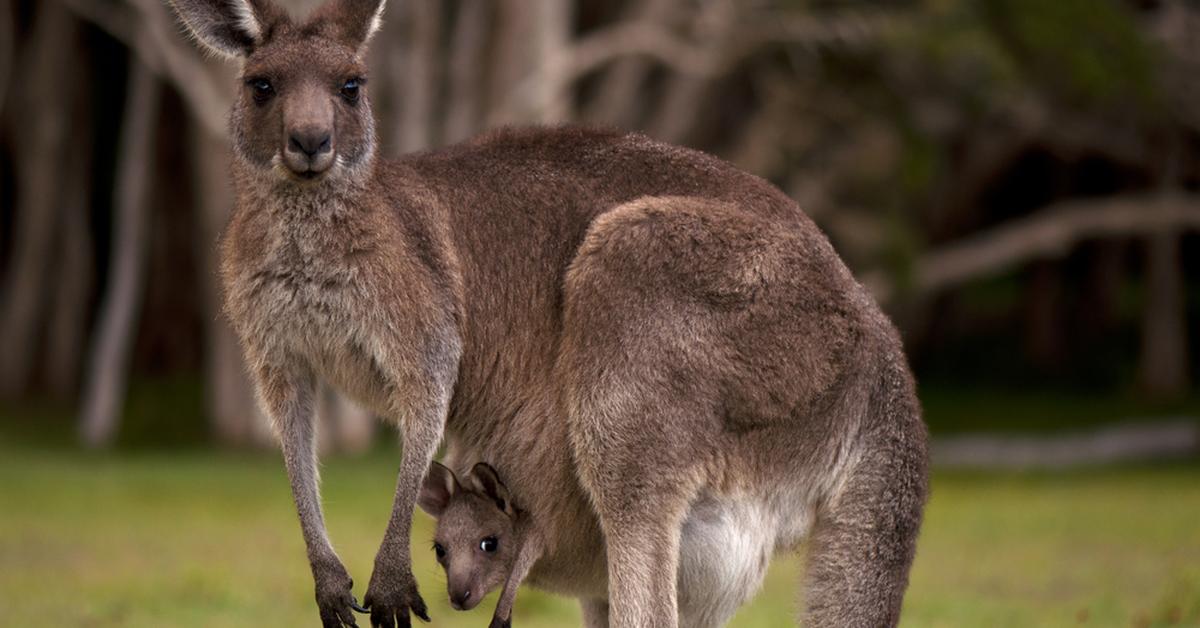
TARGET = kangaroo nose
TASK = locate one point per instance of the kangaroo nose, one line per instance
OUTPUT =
(311, 142)
(460, 599)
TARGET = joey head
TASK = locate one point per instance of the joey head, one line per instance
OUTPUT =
(475, 540)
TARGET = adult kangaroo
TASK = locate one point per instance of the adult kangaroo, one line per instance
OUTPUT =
(691, 332)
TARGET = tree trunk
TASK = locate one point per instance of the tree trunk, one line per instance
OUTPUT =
(43, 107)
(232, 408)
(416, 82)
(8, 49)
(464, 106)
(69, 315)
(385, 61)
(677, 114)
(346, 427)
(1164, 356)
(531, 35)
(617, 101)
(104, 393)
(551, 100)
(1096, 313)
(1044, 343)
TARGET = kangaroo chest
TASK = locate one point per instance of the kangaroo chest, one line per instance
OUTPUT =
(307, 294)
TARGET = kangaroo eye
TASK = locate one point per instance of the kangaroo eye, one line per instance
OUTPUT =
(351, 88)
(262, 88)
(489, 544)
(439, 550)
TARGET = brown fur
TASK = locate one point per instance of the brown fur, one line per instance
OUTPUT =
(476, 540)
(482, 540)
(633, 334)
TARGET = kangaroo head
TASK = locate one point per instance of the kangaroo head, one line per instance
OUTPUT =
(475, 541)
(302, 112)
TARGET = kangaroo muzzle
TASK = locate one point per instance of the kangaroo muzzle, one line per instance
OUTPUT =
(308, 150)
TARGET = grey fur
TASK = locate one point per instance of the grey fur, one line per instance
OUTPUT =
(628, 332)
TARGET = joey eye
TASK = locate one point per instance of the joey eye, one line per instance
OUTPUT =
(351, 88)
(489, 544)
(439, 550)
(262, 89)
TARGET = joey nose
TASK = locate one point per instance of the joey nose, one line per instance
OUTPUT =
(461, 600)
(311, 142)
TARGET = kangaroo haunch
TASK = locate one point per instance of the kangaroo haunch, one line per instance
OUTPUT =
(644, 342)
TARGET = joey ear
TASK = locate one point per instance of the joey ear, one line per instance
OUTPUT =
(352, 22)
(486, 481)
(439, 487)
(230, 28)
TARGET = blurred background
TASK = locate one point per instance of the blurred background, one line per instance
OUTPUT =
(1017, 181)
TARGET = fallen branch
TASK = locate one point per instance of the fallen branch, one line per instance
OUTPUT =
(647, 38)
(1118, 443)
(1052, 232)
(851, 29)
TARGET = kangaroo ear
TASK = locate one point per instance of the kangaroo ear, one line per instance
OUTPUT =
(352, 22)
(486, 481)
(439, 487)
(230, 28)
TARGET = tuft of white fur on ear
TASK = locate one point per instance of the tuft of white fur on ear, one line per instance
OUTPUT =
(247, 21)
(228, 28)
(376, 22)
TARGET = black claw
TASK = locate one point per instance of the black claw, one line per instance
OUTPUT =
(420, 611)
(356, 607)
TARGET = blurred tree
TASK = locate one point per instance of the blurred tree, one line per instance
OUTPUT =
(108, 371)
(939, 142)
(235, 416)
(39, 123)
(8, 45)
(67, 320)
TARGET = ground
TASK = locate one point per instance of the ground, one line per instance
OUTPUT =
(196, 538)
(168, 532)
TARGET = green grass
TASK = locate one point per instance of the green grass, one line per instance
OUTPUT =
(194, 538)
(184, 536)
(953, 410)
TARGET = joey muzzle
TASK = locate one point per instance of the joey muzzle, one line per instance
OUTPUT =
(462, 598)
